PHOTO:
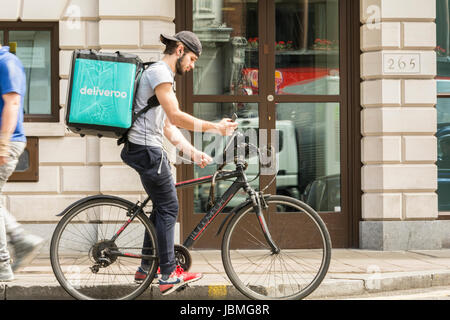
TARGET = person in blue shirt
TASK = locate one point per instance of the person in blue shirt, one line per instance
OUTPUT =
(12, 144)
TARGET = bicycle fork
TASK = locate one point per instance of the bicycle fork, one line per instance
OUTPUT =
(258, 204)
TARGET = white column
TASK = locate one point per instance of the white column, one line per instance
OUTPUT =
(399, 121)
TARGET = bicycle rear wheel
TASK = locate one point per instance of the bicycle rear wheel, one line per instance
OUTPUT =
(88, 264)
(293, 273)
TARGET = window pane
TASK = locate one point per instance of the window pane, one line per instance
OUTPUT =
(443, 163)
(33, 49)
(443, 105)
(213, 145)
(1, 37)
(229, 33)
(307, 47)
(443, 45)
(24, 162)
(309, 168)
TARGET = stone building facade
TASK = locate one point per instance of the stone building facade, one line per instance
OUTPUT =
(398, 89)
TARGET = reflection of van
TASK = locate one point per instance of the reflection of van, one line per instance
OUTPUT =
(287, 159)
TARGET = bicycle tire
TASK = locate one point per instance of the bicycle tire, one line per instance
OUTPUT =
(67, 255)
(247, 273)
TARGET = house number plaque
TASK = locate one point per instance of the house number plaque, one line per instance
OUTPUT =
(401, 63)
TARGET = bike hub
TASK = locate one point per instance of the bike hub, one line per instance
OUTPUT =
(100, 253)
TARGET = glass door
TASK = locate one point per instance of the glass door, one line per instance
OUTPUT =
(280, 66)
(308, 104)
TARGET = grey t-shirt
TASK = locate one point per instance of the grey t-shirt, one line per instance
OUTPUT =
(148, 129)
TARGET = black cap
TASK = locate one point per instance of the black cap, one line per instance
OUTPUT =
(188, 38)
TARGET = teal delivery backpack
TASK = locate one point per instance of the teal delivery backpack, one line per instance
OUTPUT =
(101, 93)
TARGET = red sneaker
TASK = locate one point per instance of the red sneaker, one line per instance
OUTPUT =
(177, 279)
(141, 274)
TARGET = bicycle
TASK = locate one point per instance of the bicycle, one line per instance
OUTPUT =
(98, 244)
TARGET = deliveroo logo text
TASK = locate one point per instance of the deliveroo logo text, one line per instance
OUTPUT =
(96, 91)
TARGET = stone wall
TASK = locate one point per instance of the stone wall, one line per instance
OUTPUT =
(399, 122)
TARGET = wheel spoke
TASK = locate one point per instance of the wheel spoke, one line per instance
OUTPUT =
(291, 274)
(80, 251)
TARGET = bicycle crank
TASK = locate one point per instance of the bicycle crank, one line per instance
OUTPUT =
(183, 257)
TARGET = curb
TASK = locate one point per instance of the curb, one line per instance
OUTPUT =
(360, 284)
(334, 286)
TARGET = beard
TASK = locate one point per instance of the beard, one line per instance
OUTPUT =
(179, 68)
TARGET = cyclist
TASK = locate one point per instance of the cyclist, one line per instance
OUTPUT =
(144, 149)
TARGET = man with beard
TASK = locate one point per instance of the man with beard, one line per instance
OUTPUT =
(144, 149)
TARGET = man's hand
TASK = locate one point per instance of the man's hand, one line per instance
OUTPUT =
(201, 159)
(226, 127)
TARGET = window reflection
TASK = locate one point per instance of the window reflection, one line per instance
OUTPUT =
(224, 27)
(308, 153)
(24, 162)
(213, 145)
(33, 50)
(309, 169)
(443, 105)
(443, 162)
(307, 47)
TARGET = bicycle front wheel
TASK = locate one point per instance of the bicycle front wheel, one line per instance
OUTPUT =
(293, 273)
(89, 264)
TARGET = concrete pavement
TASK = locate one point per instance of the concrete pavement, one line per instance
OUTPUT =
(351, 272)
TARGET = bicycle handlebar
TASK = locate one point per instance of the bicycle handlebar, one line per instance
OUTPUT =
(242, 149)
(239, 143)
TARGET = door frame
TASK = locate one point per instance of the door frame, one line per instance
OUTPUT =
(343, 226)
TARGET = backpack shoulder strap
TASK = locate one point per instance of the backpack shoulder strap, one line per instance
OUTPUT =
(151, 103)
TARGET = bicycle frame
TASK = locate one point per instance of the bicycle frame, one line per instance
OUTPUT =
(240, 183)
